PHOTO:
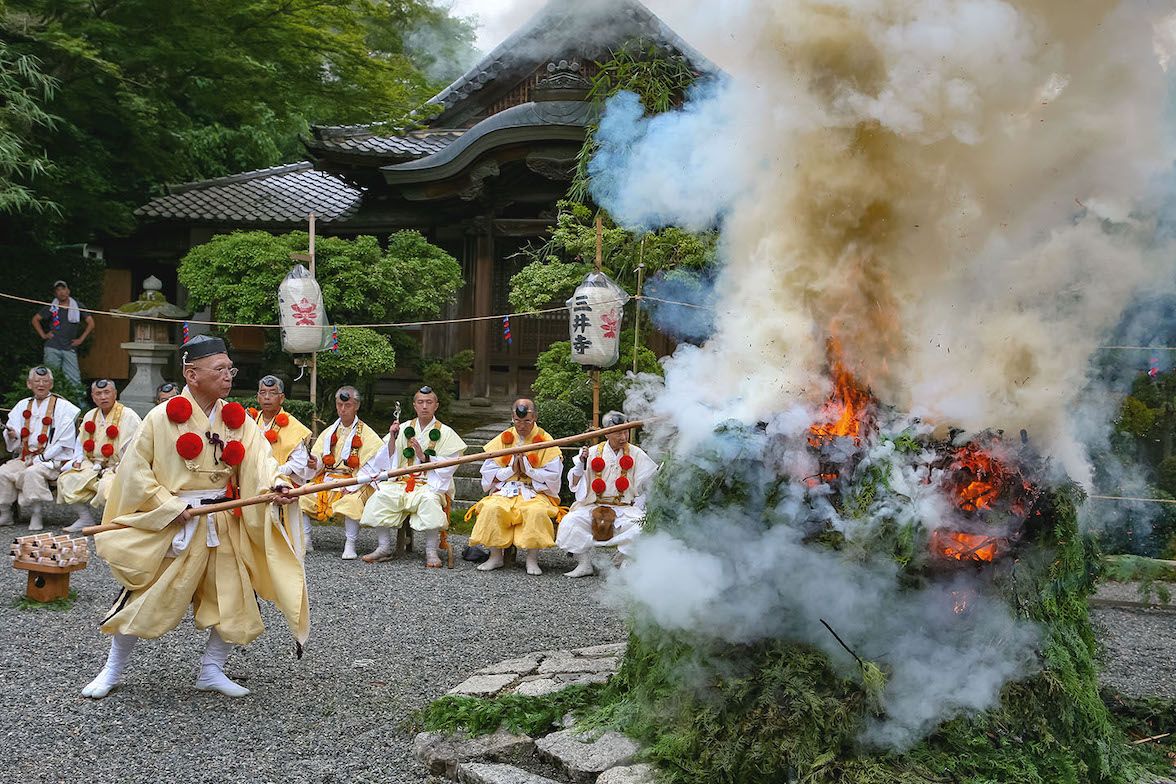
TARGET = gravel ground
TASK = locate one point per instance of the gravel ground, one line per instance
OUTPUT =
(1138, 644)
(385, 640)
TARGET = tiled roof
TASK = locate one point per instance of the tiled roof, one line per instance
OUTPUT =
(368, 141)
(278, 195)
(590, 29)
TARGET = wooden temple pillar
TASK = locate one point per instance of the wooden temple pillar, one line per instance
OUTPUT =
(483, 304)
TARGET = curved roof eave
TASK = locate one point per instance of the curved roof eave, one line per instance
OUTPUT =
(535, 121)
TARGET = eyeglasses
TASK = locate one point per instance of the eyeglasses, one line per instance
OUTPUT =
(231, 372)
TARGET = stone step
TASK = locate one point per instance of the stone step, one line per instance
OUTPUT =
(490, 773)
(584, 756)
(467, 488)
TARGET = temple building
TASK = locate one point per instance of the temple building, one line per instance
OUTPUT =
(480, 179)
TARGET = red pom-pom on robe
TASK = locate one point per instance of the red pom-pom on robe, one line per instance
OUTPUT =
(88, 445)
(508, 438)
(189, 445)
(626, 462)
(90, 426)
(234, 452)
(622, 484)
(281, 420)
(598, 486)
(112, 432)
(233, 415)
(179, 410)
(328, 460)
(353, 461)
(271, 436)
(598, 464)
(107, 450)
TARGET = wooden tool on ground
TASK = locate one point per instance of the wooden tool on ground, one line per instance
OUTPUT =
(336, 484)
(49, 560)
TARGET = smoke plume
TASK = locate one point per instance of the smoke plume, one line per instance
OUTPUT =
(964, 194)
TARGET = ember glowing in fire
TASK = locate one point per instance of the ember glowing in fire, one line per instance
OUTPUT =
(844, 413)
(985, 479)
(968, 547)
(960, 599)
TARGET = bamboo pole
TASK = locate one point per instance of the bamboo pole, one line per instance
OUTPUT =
(596, 373)
(314, 419)
(336, 484)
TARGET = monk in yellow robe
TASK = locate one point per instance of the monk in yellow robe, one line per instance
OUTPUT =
(523, 493)
(103, 435)
(342, 450)
(192, 450)
(289, 440)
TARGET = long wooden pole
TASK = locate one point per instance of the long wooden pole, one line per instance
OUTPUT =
(314, 419)
(336, 484)
(596, 373)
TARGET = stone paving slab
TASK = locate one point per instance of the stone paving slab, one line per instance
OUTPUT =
(442, 753)
(484, 685)
(631, 774)
(584, 756)
(567, 663)
(488, 773)
(524, 665)
(612, 649)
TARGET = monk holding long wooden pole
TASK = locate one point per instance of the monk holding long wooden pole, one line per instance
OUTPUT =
(170, 551)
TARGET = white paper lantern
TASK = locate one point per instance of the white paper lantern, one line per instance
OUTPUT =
(305, 328)
(595, 311)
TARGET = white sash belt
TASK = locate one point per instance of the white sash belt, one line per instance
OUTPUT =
(182, 539)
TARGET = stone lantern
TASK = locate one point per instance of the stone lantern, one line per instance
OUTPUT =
(151, 348)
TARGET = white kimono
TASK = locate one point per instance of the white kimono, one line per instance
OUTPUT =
(575, 530)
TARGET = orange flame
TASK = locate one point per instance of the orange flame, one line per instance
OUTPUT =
(967, 547)
(988, 478)
(960, 600)
(843, 414)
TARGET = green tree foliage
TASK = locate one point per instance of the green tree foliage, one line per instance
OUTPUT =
(361, 282)
(560, 378)
(24, 90)
(559, 265)
(154, 91)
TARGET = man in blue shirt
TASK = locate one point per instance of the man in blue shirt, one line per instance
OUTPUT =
(63, 318)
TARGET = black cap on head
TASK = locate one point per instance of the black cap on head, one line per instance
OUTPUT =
(273, 381)
(202, 346)
(426, 390)
(167, 386)
(345, 396)
(101, 383)
(41, 370)
(521, 411)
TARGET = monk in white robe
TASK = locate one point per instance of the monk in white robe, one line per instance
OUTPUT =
(613, 474)
(523, 493)
(40, 436)
(341, 450)
(192, 450)
(421, 499)
(104, 433)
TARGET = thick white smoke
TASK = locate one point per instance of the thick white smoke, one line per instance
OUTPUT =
(961, 193)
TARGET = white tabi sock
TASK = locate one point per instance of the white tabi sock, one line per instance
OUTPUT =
(212, 668)
(383, 551)
(85, 517)
(432, 540)
(533, 562)
(306, 532)
(494, 562)
(121, 646)
(583, 565)
(35, 523)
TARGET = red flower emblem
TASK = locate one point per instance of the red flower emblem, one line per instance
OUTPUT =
(626, 462)
(271, 436)
(598, 486)
(112, 432)
(47, 420)
(179, 410)
(107, 450)
(189, 445)
(508, 438)
(88, 445)
(598, 464)
(234, 450)
(353, 461)
(90, 426)
(328, 460)
(356, 442)
(622, 484)
(282, 419)
(27, 414)
(233, 415)
(24, 432)
(42, 438)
